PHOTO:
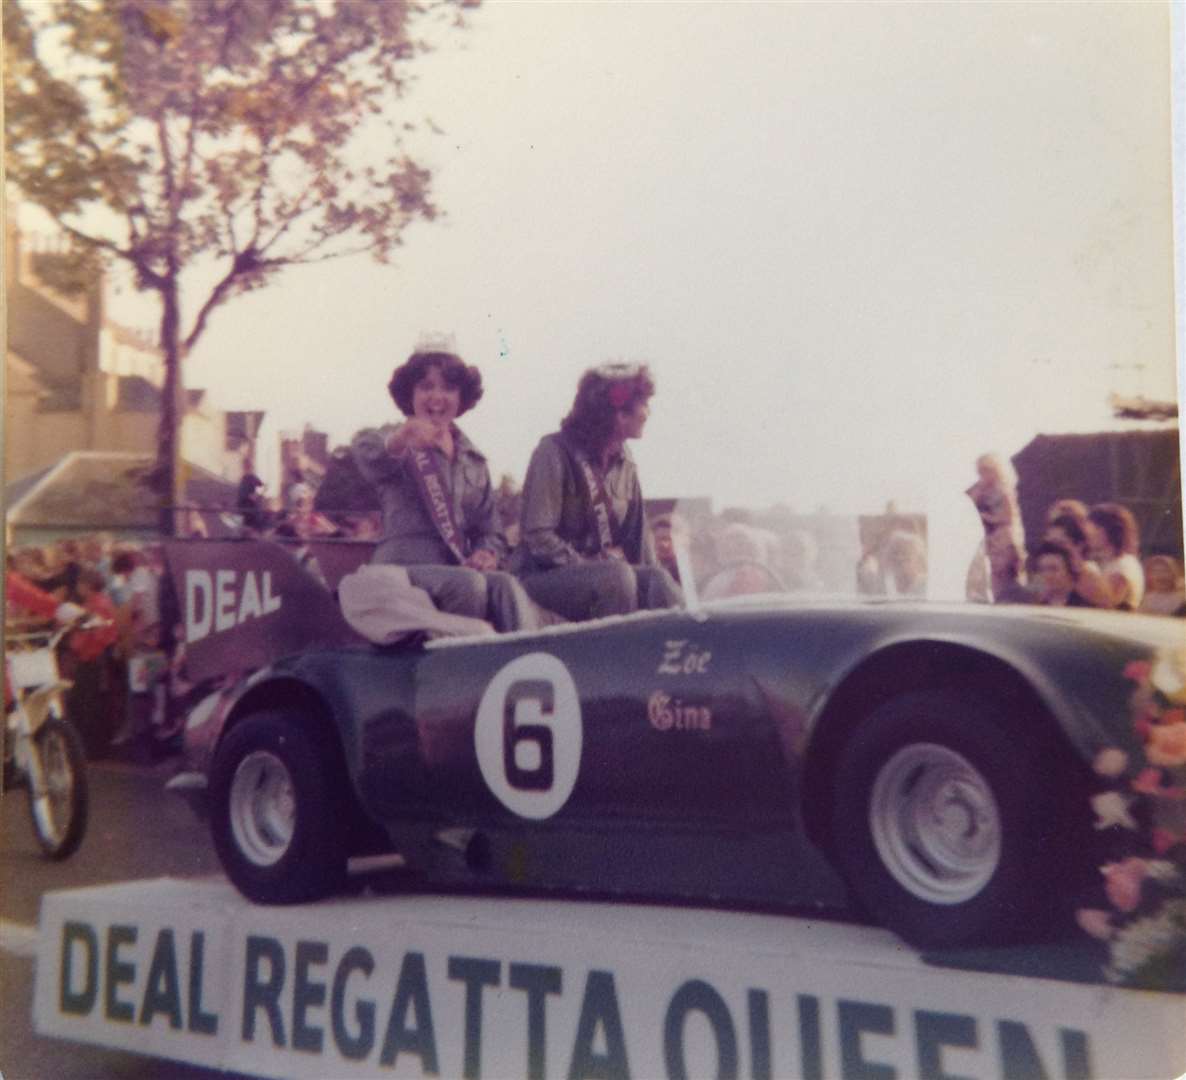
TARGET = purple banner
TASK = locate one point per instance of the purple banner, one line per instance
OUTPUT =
(246, 603)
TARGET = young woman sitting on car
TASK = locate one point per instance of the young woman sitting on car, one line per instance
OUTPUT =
(439, 514)
(586, 550)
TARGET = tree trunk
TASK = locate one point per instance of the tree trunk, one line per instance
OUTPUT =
(172, 412)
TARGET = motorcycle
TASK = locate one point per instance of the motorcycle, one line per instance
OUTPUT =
(43, 751)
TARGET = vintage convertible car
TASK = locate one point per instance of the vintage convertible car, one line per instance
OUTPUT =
(928, 765)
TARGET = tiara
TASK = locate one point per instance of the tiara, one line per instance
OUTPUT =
(619, 370)
(436, 341)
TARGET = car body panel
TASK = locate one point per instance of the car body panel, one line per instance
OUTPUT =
(696, 734)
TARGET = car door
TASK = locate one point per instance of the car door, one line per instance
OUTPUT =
(649, 719)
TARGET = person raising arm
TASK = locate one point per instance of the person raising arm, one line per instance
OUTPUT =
(439, 514)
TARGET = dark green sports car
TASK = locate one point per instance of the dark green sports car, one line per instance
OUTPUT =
(948, 770)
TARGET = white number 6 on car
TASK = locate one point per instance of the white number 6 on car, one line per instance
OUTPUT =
(528, 735)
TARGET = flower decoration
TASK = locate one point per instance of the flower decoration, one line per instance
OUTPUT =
(1111, 808)
(1166, 839)
(1168, 675)
(1144, 922)
(1166, 744)
(1095, 922)
(620, 394)
(1110, 762)
(1122, 883)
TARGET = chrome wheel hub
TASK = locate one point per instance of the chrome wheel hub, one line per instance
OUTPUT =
(262, 808)
(935, 823)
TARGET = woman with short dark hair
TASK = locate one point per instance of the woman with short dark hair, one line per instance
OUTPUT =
(1056, 569)
(438, 506)
(586, 550)
(1070, 530)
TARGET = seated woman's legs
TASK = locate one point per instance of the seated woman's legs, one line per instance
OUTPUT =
(586, 591)
(509, 607)
(459, 590)
(657, 588)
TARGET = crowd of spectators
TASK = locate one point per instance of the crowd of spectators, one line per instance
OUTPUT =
(118, 666)
(1086, 556)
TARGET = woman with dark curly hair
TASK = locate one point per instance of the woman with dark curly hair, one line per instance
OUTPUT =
(439, 515)
(586, 550)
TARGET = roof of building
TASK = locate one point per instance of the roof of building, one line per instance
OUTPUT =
(104, 490)
(1141, 469)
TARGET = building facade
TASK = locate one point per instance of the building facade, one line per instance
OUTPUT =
(77, 381)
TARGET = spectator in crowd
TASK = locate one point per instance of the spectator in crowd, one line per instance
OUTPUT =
(586, 548)
(1070, 529)
(1114, 541)
(123, 563)
(141, 643)
(90, 699)
(301, 521)
(251, 504)
(746, 563)
(29, 564)
(1057, 567)
(63, 566)
(663, 528)
(96, 552)
(27, 597)
(994, 495)
(439, 514)
(1164, 591)
(1064, 507)
(906, 564)
(1005, 568)
(870, 575)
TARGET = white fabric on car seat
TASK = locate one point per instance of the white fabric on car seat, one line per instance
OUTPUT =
(380, 603)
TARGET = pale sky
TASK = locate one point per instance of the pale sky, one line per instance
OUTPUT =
(858, 244)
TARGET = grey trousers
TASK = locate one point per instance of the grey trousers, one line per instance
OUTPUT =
(492, 595)
(595, 589)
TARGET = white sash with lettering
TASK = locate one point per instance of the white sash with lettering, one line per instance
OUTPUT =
(605, 523)
(435, 496)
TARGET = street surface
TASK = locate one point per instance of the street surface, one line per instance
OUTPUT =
(137, 830)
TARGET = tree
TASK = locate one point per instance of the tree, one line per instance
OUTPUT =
(237, 135)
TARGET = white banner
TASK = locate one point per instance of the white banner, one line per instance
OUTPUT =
(411, 986)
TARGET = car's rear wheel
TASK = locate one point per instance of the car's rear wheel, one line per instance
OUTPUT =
(942, 820)
(273, 811)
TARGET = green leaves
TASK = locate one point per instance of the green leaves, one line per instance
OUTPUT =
(220, 130)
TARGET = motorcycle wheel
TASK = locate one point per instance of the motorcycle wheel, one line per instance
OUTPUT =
(59, 813)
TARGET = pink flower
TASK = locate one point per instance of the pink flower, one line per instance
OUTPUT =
(1096, 922)
(620, 394)
(1110, 762)
(1166, 743)
(1148, 782)
(1138, 670)
(1143, 703)
(1122, 882)
(1163, 840)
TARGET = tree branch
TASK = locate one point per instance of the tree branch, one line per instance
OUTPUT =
(217, 295)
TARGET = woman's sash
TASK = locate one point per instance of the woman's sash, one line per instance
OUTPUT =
(605, 525)
(434, 495)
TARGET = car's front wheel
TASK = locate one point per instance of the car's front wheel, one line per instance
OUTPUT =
(942, 819)
(272, 811)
